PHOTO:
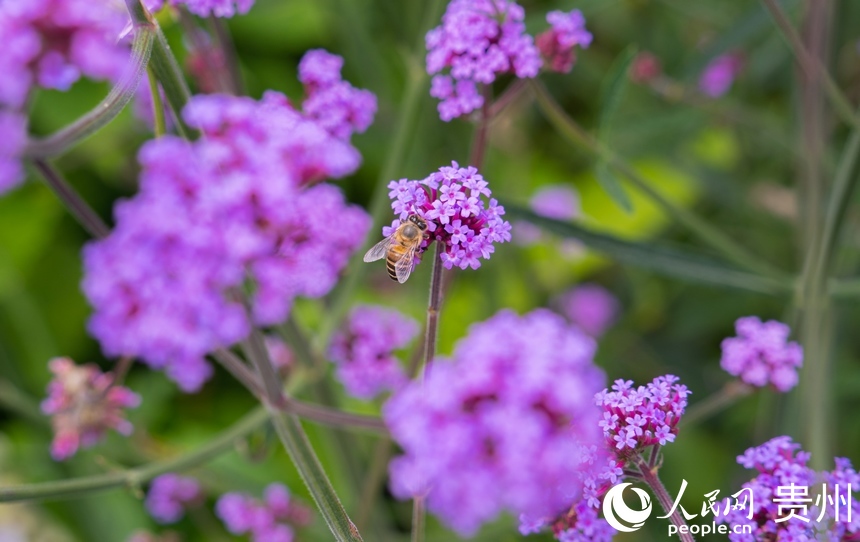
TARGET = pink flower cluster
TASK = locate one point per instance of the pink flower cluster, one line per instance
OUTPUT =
(761, 354)
(168, 496)
(477, 41)
(333, 103)
(567, 31)
(451, 203)
(205, 8)
(364, 350)
(635, 418)
(507, 424)
(271, 520)
(719, 75)
(83, 404)
(210, 214)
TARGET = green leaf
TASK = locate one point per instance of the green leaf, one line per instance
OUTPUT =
(662, 259)
(612, 91)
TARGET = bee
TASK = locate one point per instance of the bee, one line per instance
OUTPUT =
(399, 248)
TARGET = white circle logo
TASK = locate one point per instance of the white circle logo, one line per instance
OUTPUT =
(615, 509)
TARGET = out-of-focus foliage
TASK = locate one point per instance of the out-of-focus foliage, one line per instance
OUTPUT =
(735, 160)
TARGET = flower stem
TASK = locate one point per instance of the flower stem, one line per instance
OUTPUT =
(80, 209)
(705, 231)
(160, 126)
(233, 74)
(431, 329)
(716, 402)
(134, 478)
(650, 476)
(479, 140)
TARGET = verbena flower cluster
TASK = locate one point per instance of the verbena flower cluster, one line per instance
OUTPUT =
(271, 520)
(205, 8)
(364, 350)
(718, 76)
(232, 206)
(83, 404)
(451, 202)
(51, 44)
(635, 418)
(507, 424)
(591, 307)
(779, 462)
(840, 480)
(581, 523)
(477, 41)
(168, 496)
(761, 354)
(333, 103)
(567, 31)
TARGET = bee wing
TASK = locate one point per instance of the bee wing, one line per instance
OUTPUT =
(379, 250)
(403, 267)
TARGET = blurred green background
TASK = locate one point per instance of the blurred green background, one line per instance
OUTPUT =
(735, 160)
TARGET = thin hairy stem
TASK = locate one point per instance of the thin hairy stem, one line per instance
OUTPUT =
(159, 123)
(80, 209)
(479, 140)
(649, 475)
(136, 477)
(715, 403)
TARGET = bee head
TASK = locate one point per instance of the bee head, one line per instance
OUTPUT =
(418, 221)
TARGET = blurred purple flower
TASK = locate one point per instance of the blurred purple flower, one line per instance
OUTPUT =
(779, 462)
(168, 496)
(364, 350)
(265, 521)
(205, 8)
(334, 104)
(567, 30)
(761, 354)
(635, 418)
(83, 405)
(557, 201)
(450, 200)
(591, 307)
(507, 424)
(477, 40)
(211, 213)
(719, 75)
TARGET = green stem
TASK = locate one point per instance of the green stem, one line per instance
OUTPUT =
(165, 67)
(649, 474)
(160, 127)
(74, 203)
(812, 65)
(706, 232)
(134, 478)
(299, 448)
(715, 403)
(62, 140)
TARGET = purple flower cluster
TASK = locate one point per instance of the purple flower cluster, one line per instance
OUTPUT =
(477, 41)
(591, 307)
(83, 405)
(761, 354)
(51, 44)
(634, 418)
(451, 203)
(333, 103)
(567, 30)
(168, 496)
(557, 201)
(507, 424)
(780, 462)
(719, 75)
(843, 477)
(364, 350)
(210, 214)
(205, 8)
(271, 520)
